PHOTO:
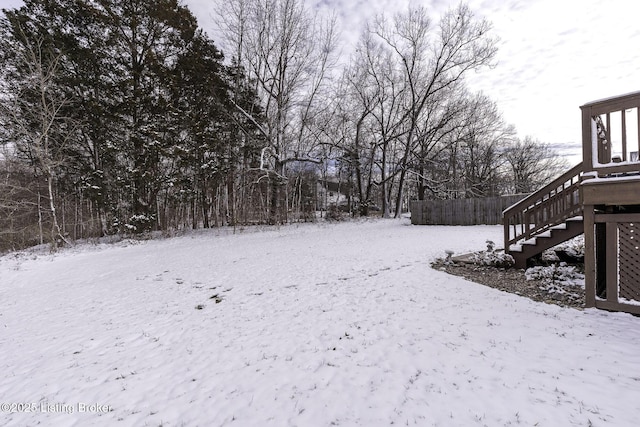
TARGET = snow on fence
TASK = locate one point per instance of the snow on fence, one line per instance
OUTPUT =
(462, 211)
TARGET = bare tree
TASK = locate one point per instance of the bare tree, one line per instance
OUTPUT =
(18, 204)
(288, 54)
(432, 61)
(364, 107)
(532, 164)
(481, 146)
(34, 119)
(442, 125)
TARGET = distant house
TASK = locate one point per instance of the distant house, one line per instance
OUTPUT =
(333, 192)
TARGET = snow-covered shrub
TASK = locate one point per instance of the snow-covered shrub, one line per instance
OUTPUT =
(493, 259)
(572, 250)
(557, 279)
(573, 247)
(333, 213)
(139, 223)
(560, 274)
(549, 256)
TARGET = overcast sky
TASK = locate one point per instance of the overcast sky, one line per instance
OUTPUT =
(554, 55)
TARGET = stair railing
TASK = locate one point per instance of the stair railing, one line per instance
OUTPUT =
(550, 206)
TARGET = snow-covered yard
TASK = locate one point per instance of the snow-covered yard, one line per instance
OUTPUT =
(313, 325)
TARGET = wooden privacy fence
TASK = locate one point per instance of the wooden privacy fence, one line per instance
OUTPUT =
(462, 211)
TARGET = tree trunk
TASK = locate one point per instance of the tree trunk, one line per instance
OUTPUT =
(383, 182)
(400, 193)
(40, 228)
(204, 204)
(55, 228)
(275, 208)
(421, 186)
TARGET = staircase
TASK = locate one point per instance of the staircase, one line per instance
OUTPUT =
(548, 217)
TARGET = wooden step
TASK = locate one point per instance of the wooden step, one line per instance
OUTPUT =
(553, 236)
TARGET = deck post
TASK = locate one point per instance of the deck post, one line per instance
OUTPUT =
(589, 257)
(587, 149)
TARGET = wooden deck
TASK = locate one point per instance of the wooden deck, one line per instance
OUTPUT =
(604, 191)
(617, 191)
(610, 194)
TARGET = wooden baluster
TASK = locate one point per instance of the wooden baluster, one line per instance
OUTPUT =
(608, 148)
(623, 115)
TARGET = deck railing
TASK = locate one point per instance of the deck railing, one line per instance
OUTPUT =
(610, 135)
(610, 147)
(546, 208)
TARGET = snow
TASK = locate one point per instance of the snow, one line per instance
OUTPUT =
(609, 179)
(628, 301)
(557, 278)
(515, 248)
(314, 325)
(612, 98)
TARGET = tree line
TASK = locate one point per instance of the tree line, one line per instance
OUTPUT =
(125, 117)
